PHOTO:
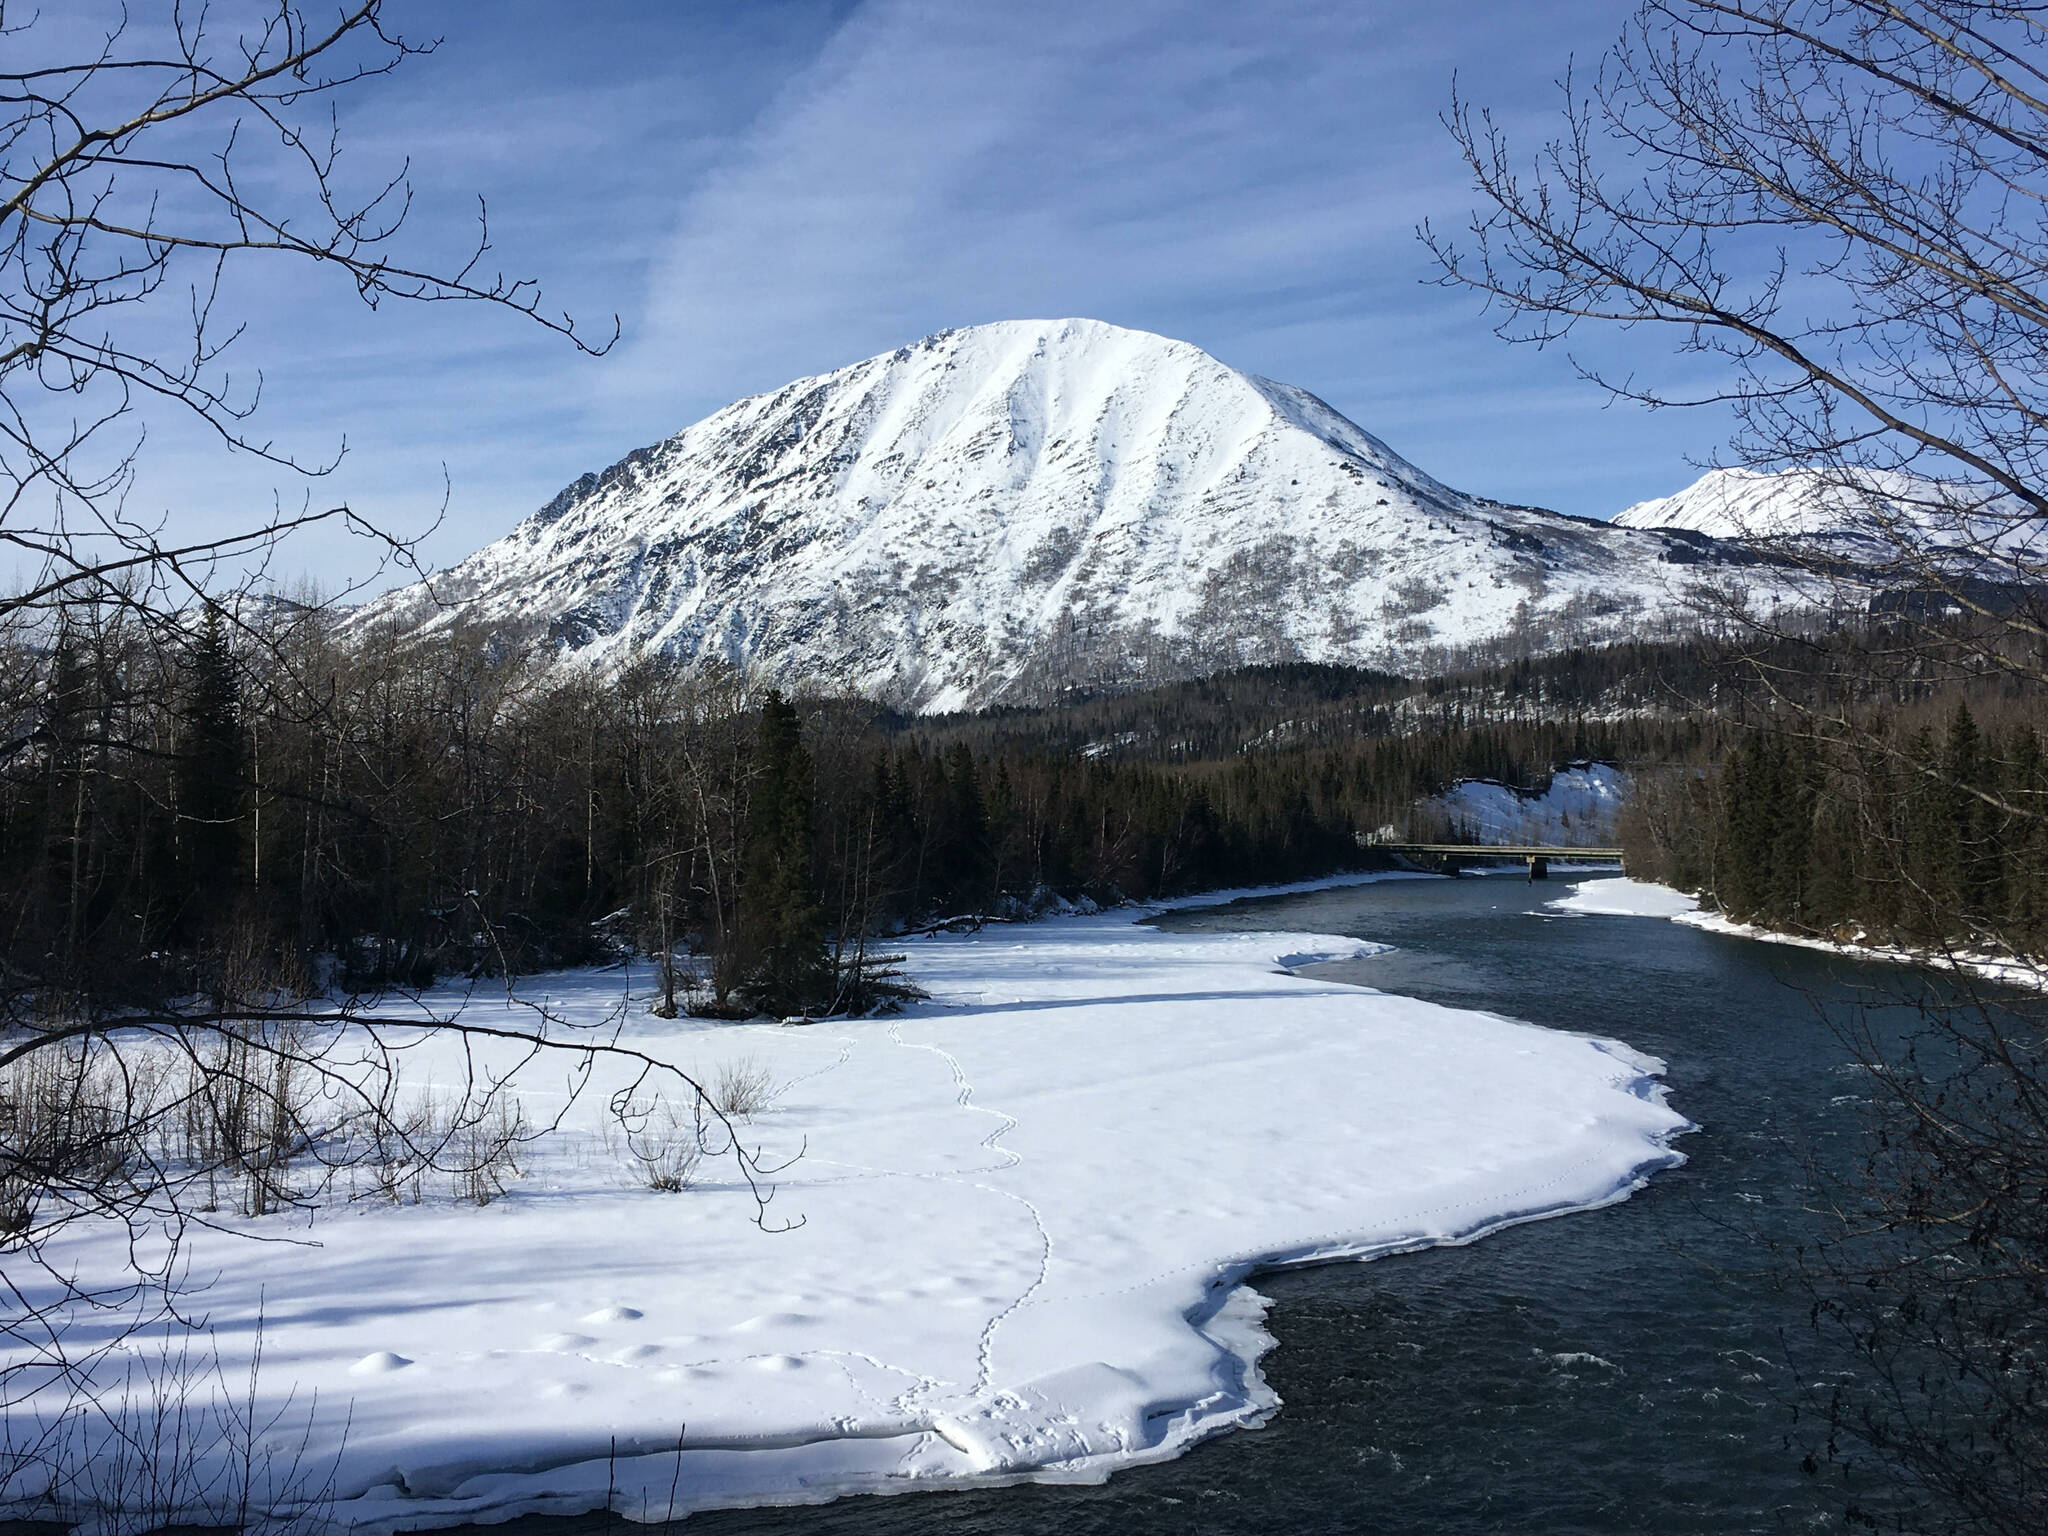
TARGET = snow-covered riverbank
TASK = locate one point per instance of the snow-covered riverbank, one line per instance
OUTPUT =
(1027, 1209)
(1625, 898)
(1639, 898)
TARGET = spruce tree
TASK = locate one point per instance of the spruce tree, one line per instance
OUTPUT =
(1968, 872)
(1751, 786)
(209, 779)
(969, 857)
(2025, 841)
(782, 929)
(1929, 863)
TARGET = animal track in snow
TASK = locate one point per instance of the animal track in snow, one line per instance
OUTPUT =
(963, 1095)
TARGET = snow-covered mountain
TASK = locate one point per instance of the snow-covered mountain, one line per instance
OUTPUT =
(998, 512)
(1867, 518)
(1749, 503)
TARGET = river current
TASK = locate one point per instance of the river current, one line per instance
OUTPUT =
(1627, 1369)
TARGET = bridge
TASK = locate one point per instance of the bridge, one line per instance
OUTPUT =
(1539, 856)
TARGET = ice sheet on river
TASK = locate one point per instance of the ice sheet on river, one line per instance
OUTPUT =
(1027, 1211)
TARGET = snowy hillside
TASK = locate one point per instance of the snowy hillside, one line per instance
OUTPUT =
(998, 512)
(1748, 503)
(1577, 808)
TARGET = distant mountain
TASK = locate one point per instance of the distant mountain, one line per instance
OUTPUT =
(1868, 521)
(998, 513)
(1748, 503)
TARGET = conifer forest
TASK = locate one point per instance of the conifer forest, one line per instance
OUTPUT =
(233, 804)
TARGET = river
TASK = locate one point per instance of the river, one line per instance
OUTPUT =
(1617, 1370)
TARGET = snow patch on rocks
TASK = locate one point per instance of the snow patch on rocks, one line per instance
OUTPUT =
(1577, 807)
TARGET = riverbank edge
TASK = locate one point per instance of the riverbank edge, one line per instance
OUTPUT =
(2009, 972)
(2004, 970)
(1235, 1313)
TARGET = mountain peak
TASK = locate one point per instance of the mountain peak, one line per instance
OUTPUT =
(1004, 510)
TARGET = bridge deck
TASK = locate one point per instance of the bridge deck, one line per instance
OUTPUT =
(1502, 851)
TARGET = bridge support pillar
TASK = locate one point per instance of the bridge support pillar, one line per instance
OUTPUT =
(1539, 867)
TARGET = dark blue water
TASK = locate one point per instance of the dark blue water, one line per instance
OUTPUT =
(1621, 1370)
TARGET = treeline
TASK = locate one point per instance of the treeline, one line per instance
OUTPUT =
(1312, 704)
(262, 800)
(1624, 696)
(1907, 833)
(254, 802)
(1616, 699)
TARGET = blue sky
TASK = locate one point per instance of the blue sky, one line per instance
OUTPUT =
(776, 188)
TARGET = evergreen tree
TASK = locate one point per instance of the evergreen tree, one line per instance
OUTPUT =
(1970, 858)
(1753, 796)
(1786, 873)
(1927, 831)
(1002, 827)
(969, 857)
(785, 967)
(1830, 887)
(210, 783)
(2025, 840)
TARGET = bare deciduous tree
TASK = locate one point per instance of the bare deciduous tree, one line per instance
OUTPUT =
(148, 157)
(1837, 204)
(1840, 208)
(145, 160)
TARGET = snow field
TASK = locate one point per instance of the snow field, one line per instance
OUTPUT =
(1020, 1219)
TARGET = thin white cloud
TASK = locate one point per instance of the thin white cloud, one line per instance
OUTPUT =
(777, 189)
(1247, 177)
(940, 164)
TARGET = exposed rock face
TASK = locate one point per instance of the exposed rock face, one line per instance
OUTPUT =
(999, 512)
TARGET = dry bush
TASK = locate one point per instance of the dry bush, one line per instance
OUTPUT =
(483, 1149)
(68, 1121)
(664, 1147)
(742, 1087)
(474, 1139)
(171, 1443)
(248, 1093)
(1412, 598)
(397, 1158)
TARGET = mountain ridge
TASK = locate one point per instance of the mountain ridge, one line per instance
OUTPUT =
(998, 512)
